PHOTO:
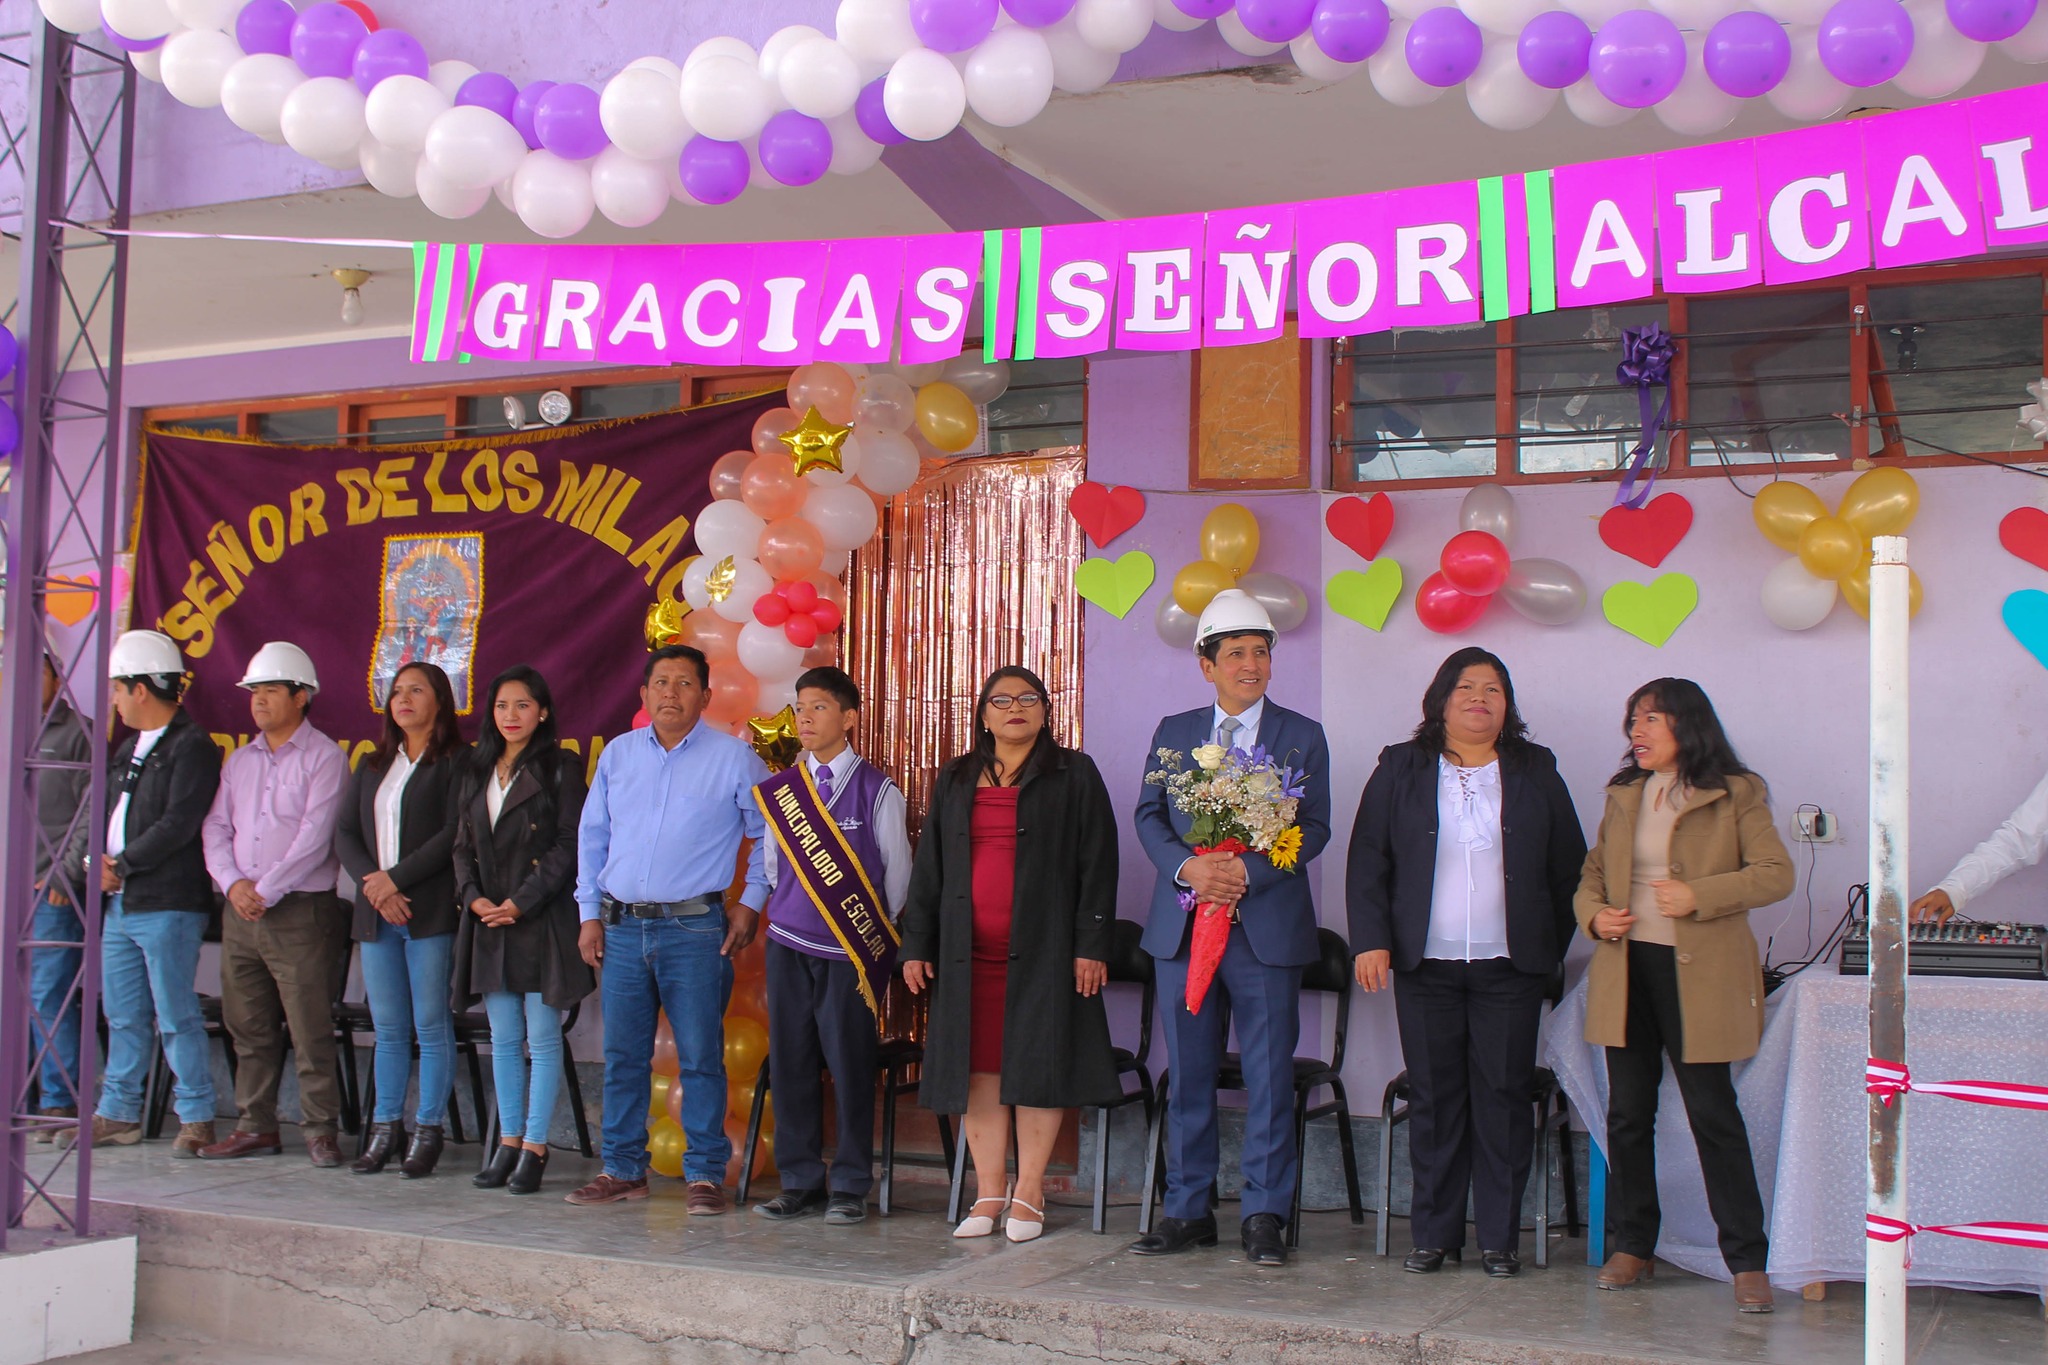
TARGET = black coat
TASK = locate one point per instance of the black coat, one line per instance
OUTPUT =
(1056, 1049)
(163, 865)
(1391, 879)
(528, 857)
(425, 870)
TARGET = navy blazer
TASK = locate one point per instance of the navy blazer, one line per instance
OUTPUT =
(1278, 911)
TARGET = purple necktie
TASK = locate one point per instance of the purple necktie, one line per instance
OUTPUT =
(824, 776)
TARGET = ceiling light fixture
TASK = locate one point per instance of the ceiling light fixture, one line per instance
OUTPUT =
(555, 407)
(351, 281)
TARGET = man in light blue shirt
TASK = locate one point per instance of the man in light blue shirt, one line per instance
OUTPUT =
(668, 810)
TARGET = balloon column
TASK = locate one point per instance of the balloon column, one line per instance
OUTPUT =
(1831, 552)
(1476, 565)
(10, 422)
(1230, 543)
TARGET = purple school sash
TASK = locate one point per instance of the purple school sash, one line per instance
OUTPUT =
(817, 854)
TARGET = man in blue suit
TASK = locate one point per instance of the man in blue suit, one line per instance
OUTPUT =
(1272, 938)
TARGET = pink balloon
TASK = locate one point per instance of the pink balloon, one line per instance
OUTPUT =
(1444, 609)
(829, 589)
(801, 631)
(790, 548)
(822, 654)
(801, 595)
(770, 487)
(770, 609)
(733, 694)
(768, 428)
(1475, 563)
(826, 387)
(717, 637)
(726, 474)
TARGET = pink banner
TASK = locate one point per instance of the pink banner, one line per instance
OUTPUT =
(939, 275)
(641, 306)
(1338, 280)
(857, 311)
(1922, 172)
(577, 282)
(1159, 284)
(498, 321)
(1707, 219)
(782, 312)
(1810, 191)
(1434, 247)
(1244, 275)
(713, 284)
(1606, 218)
(1077, 288)
(2009, 135)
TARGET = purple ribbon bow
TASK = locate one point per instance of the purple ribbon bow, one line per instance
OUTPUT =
(1646, 356)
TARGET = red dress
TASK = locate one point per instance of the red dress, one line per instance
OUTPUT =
(992, 837)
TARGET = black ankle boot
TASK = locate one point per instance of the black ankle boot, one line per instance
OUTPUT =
(424, 1153)
(493, 1175)
(526, 1175)
(386, 1141)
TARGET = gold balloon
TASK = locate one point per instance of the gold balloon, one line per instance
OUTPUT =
(719, 582)
(1783, 509)
(814, 443)
(665, 621)
(774, 738)
(1882, 502)
(1856, 591)
(1196, 583)
(657, 1099)
(665, 1147)
(1230, 537)
(746, 1043)
(946, 416)
(1829, 548)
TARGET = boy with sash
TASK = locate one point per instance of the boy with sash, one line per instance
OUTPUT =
(839, 864)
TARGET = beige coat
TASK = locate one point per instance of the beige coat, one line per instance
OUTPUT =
(1726, 848)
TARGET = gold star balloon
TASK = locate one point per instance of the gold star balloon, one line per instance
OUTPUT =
(814, 443)
(719, 582)
(774, 738)
(665, 622)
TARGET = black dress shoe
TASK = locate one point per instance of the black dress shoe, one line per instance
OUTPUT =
(1177, 1234)
(1501, 1265)
(1265, 1239)
(844, 1210)
(423, 1153)
(1429, 1260)
(499, 1169)
(792, 1204)
(525, 1178)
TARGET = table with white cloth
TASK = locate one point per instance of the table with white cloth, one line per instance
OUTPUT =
(1803, 1098)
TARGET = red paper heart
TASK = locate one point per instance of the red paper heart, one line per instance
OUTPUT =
(1363, 524)
(1104, 512)
(2025, 532)
(1647, 534)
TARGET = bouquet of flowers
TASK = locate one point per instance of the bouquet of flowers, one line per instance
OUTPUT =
(1237, 803)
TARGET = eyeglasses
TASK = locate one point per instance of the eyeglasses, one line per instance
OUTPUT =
(1027, 700)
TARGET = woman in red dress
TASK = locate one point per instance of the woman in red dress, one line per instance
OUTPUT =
(1008, 923)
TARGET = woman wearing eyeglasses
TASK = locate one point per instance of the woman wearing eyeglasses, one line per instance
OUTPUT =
(1008, 925)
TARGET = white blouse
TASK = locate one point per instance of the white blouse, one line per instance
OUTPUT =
(494, 795)
(1468, 910)
(390, 802)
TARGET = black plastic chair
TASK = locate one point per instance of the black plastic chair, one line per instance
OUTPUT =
(352, 1019)
(1129, 964)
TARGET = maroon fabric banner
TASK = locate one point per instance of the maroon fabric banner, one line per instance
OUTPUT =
(542, 547)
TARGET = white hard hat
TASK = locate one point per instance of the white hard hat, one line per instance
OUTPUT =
(144, 653)
(1232, 612)
(281, 661)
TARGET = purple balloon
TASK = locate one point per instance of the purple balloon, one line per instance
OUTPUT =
(952, 25)
(10, 430)
(873, 116)
(526, 106)
(714, 172)
(325, 38)
(1553, 49)
(1988, 21)
(1865, 42)
(565, 122)
(10, 351)
(1637, 58)
(1038, 13)
(1747, 54)
(134, 44)
(1276, 21)
(388, 52)
(795, 148)
(489, 90)
(1350, 30)
(266, 26)
(1203, 9)
(1444, 47)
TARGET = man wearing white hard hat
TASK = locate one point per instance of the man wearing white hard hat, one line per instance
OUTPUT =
(284, 940)
(1272, 940)
(162, 779)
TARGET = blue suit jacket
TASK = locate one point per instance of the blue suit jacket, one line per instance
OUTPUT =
(1278, 911)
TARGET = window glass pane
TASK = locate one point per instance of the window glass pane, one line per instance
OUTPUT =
(626, 400)
(1953, 360)
(485, 413)
(1767, 373)
(226, 425)
(1571, 413)
(426, 426)
(1421, 405)
(299, 424)
(1042, 408)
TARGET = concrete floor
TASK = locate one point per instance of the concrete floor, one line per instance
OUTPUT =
(266, 1260)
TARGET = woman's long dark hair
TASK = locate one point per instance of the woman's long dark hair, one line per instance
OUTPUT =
(447, 735)
(1514, 734)
(1706, 760)
(542, 750)
(982, 757)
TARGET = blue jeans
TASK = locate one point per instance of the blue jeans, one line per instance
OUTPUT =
(671, 965)
(406, 979)
(53, 972)
(147, 965)
(523, 1024)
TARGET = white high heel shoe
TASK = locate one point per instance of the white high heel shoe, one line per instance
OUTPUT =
(980, 1224)
(1023, 1229)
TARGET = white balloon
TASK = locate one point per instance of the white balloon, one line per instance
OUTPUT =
(1317, 64)
(1796, 11)
(391, 171)
(1411, 10)
(218, 15)
(835, 562)
(1597, 12)
(735, 48)
(196, 62)
(627, 189)
(150, 65)
(1238, 36)
(1175, 627)
(642, 113)
(1591, 107)
(1809, 90)
(1077, 68)
(450, 76)
(1943, 60)
(2030, 44)
(73, 16)
(770, 698)
(1391, 75)
(400, 109)
(1794, 599)
(853, 151)
(253, 93)
(924, 95)
(1113, 25)
(764, 651)
(1501, 95)
(982, 381)
(1009, 77)
(1502, 16)
(323, 119)
(138, 19)
(820, 78)
(749, 581)
(726, 528)
(1489, 508)
(885, 402)
(779, 45)
(446, 198)
(1695, 16)
(1698, 106)
(845, 517)
(1169, 16)
(889, 463)
(473, 147)
(919, 375)
(502, 192)
(725, 98)
(661, 64)
(876, 32)
(552, 195)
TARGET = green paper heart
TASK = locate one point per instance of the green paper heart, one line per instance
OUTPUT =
(1652, 612)
(1365, 597)
(1115, 585)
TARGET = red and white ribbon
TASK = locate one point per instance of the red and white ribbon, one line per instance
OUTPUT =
(2032, 1236)
(1887, 1079)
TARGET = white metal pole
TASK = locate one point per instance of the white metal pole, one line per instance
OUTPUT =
(1884, 1311)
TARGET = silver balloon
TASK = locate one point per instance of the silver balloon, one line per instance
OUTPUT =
(982, 383)
(1282, 598)
(1489, 508)
(1175, 626)
(1545, 591)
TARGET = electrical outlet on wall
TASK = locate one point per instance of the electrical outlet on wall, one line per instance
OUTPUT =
(1812, 825)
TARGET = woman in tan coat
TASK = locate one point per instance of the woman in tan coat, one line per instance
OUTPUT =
(1686, 849)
